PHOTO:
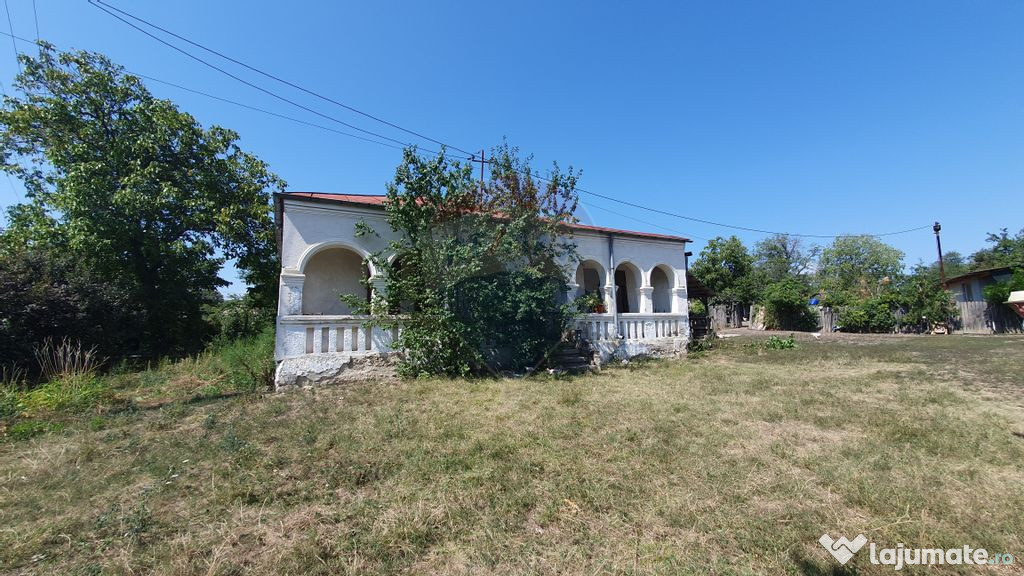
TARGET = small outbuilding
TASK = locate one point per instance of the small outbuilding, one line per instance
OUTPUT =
(976, 315)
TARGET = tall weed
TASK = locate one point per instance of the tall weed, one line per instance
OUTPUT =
(66, 359)
(248, 363)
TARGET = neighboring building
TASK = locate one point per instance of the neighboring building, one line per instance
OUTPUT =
(318, 337)
(970, 287)
(976, 315)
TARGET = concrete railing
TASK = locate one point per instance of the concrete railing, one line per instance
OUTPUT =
(632, 326)
(350, 335)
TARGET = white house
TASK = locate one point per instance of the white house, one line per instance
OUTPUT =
(641, 277)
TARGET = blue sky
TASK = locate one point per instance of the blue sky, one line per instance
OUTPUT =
(810, 117)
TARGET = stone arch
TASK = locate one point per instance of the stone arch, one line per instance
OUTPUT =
(312, 251)
(590, 277)
(662, 280)
(330, 272)
(628, 280)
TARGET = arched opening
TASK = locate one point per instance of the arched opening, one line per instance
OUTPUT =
(590, 278)
(627, 288)
(329, 274)
(661, 295)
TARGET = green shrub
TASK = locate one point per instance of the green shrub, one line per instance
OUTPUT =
(785, 306)
(699, 346)
(697, 308)
(236, 318)
(10, 402)
(998, 293)
(872, 315)
(248, 363)
(776, 343)
(12, 382)
(924, 301)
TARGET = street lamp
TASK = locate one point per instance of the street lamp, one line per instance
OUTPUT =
(938, 245)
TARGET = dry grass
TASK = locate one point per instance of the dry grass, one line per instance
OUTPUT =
(734, 463)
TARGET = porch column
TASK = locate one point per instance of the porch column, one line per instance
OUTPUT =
(378, 294)
(646, 302)
(571, 292)
(681, 306)
(290, 294)
(680, 303)
(609, 298)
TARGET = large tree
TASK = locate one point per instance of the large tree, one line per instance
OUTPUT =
(857, 267)
(727, 268)
(136, 190)
(781, 257)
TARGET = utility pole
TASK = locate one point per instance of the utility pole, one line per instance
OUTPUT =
(482, 161)
(938, 245)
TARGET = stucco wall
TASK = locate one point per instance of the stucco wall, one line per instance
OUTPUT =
(311, 228)
(639, 256)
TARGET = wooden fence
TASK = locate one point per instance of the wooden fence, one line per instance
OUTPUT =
(727, 315)
(982, 318)
(975, 318)
(828, 318)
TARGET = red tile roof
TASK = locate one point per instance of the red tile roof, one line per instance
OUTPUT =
(378, 200)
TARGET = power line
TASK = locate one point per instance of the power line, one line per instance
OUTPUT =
(10, 24)
(271, 113)
(250, 84)
(3, 90)
(35, 14)
(745, 228)
(97, 3)
(721, 224)
(644, 222)
(249, 106)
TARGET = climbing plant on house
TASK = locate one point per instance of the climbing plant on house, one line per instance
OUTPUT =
(474, 273)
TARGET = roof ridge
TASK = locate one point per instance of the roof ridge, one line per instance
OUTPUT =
(378, 198)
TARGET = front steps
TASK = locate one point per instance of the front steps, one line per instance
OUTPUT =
(570, 357)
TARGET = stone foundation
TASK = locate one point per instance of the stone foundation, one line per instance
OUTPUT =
(610, 350)
(319, 369)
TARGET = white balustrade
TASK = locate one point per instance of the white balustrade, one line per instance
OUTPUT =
(632, 326)
(350, 335)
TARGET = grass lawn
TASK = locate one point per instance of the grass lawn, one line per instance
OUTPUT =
(734, 462)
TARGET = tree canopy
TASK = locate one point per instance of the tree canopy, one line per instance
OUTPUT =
(727, 269)
(857, 267)
(780, 257)
(136, 191)
(1005, 250)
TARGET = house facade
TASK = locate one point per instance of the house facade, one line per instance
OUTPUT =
(640, 277)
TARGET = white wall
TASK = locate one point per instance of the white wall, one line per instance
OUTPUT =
(310, 227)
(644, 254)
